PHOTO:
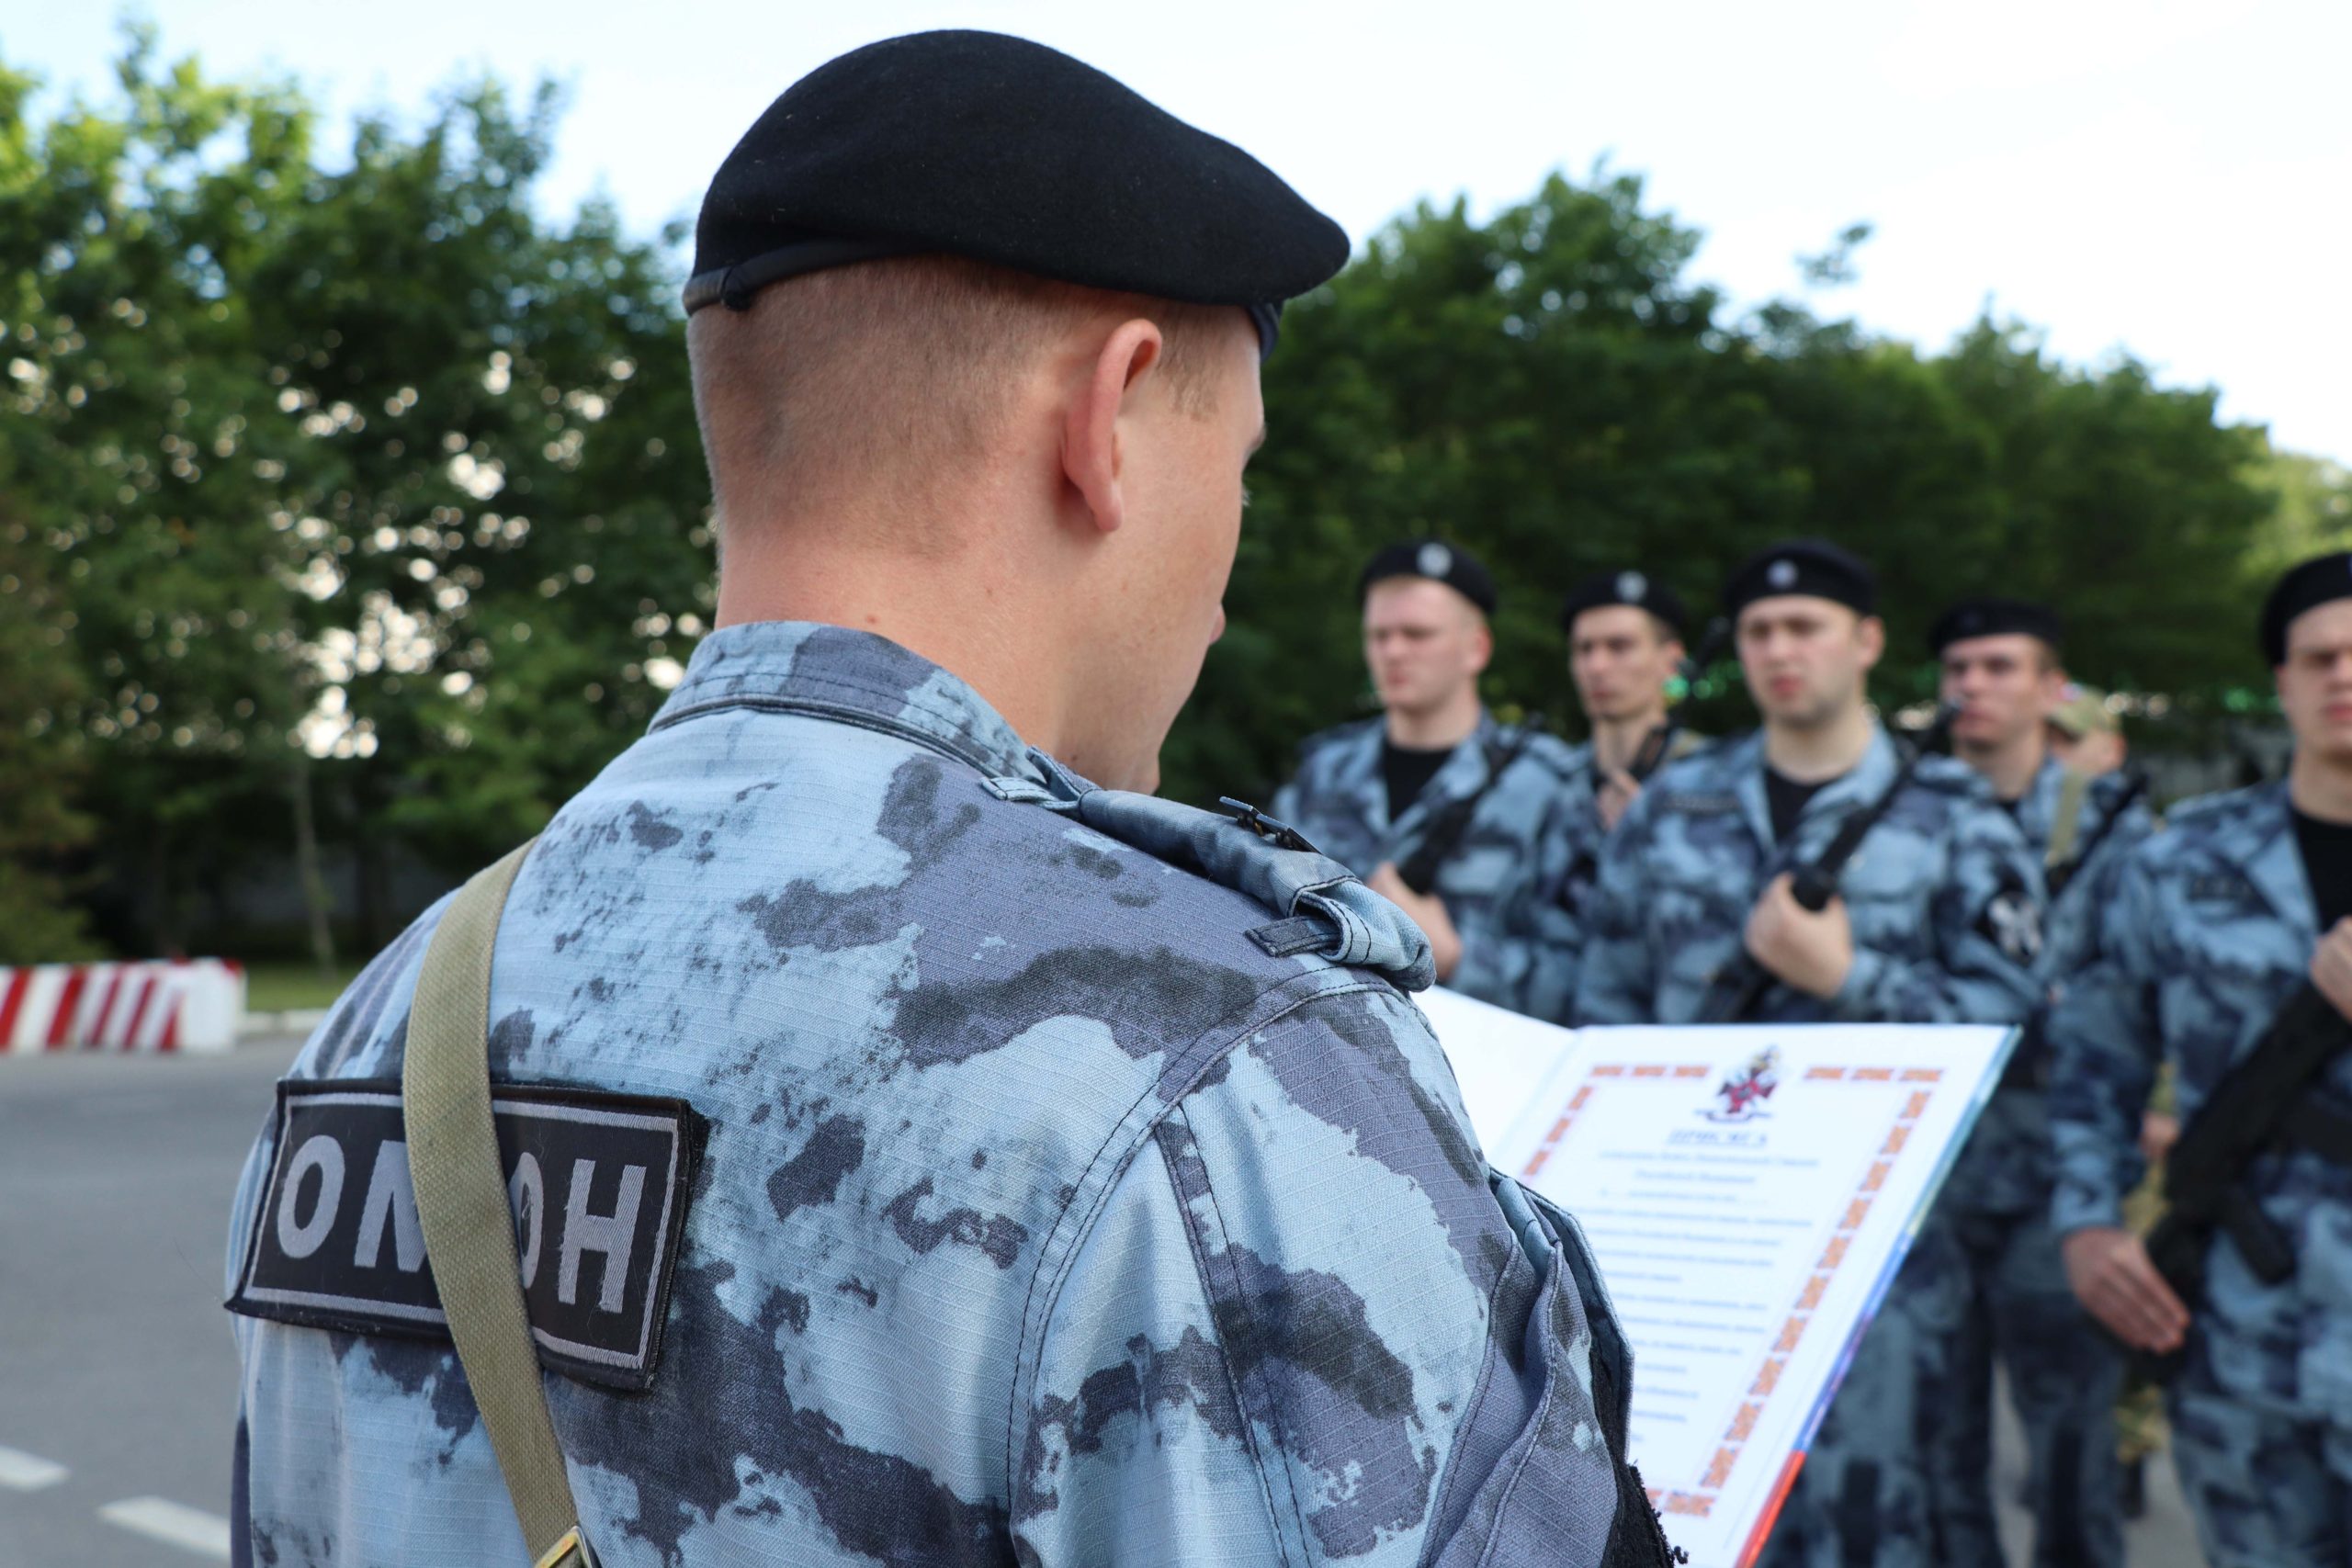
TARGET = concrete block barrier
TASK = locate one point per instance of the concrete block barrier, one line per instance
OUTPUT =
(191, 1004)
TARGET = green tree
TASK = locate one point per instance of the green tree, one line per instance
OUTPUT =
(1546, 389)
(1550, 389)
(41, 760)
(353, 501)
(2314, 511)
(345, 472)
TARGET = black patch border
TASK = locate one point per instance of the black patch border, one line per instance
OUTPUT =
(557, 1355)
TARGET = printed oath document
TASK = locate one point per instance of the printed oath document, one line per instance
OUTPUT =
(1748, 1192)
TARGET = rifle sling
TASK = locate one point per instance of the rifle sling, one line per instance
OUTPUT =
(1443, 833)
(461, 1204)
(2066, 825)
(2318, 1125)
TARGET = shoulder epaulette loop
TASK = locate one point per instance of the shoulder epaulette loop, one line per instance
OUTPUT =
(1356, 925)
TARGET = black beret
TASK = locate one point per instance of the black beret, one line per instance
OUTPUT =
(1438, 562)
(1003, 151)
(1637, 589)
(2306, 587)
(1815, 568)
(1994, 617)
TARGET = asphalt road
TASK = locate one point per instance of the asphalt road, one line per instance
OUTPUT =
(116, 1362)
(117, 1375)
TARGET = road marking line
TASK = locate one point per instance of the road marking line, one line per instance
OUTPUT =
(174, 1524)
(21, 1471)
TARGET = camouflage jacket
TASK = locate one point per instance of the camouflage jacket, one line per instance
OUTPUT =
(1502, 883)
(2008, 1165)
(1588, 836)
(1077, 1184)
(2071, 924)
(2209, 929)
(1942, 894)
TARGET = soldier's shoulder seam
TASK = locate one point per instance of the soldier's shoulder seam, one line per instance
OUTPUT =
(1700, 773)
(1549, 751)
(2212, 810)
(1324, 739)
(1294, 903)
(1949, 775)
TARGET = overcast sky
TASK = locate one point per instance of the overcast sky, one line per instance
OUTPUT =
(2173, 177)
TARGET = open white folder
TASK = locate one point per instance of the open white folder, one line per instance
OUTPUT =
(1749, 1193)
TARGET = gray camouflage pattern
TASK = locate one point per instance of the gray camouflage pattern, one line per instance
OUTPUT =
(1941, 897)
(2210, 927)
(2064, 1373)
(1081, 1184)
(2267, 1489)
(1587, 838)
(1503, 884)
(1941, 884)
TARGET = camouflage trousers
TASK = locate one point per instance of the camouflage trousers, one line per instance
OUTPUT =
(2064, 1376)
(1865, 1496)
(2270, 1489)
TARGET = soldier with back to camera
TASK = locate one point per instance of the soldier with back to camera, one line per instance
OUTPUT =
(923, 1148)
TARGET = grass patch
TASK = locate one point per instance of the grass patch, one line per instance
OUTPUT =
(291, 987)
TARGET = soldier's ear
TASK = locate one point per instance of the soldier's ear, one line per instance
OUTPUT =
(1093, 458)
(1870, 633)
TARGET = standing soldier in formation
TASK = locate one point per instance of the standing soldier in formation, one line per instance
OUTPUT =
(1463, 821)
(2214, 926)
(1626, 633)
(955, 1162)
(2000, 662)
(2084, 734)
(1934, 923)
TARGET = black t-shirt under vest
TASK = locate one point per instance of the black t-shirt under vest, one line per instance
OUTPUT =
(1788, 799)
(1407, 770)
(2327, 865)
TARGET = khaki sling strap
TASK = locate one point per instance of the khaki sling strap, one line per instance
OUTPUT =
(462, 1205)
(2072, 789)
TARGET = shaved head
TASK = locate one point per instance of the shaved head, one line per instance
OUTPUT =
(909, 368)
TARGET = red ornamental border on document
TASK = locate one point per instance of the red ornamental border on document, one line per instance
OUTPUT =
(1699, 1501)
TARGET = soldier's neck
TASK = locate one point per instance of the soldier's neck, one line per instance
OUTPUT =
(1440, 728)
(1816, 753)
(1017, 655)
(2319, 787)
(1617, 741)
(2010, 766)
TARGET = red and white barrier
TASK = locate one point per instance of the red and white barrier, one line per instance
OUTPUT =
(180, 1005)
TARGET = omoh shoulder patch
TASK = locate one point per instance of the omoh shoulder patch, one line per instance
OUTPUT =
(598, 1182)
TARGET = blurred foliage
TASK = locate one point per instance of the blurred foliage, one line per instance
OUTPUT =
(350, 473)
(347, 463)
(42, 765)
(1550, 390)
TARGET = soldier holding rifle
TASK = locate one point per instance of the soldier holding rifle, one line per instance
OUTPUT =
(1929, 916)
(1626, 633)
(1463, 821)
(2227, 953)
(2001, 668)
